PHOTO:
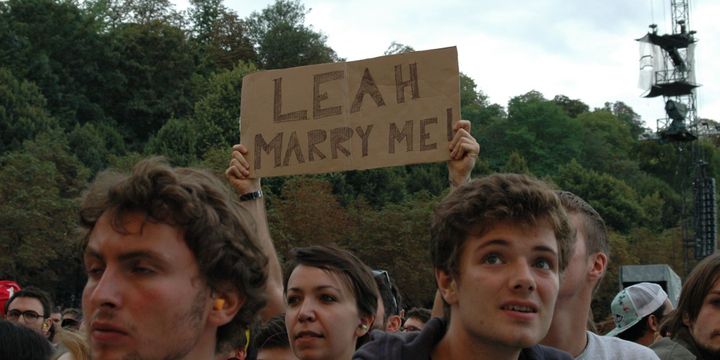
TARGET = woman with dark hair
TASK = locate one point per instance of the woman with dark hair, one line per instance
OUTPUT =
(331, 301)
(694, 326)
(22, 343)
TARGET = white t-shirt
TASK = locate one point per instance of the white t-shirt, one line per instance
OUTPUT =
(612, 348)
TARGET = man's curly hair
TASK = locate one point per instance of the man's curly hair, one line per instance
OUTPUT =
(479, 205)
(216, 229)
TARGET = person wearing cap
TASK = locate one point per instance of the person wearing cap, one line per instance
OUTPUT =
(638, 311)
(694, 326)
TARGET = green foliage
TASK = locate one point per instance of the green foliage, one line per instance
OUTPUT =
(398, 48)
(157, 64)
(571, 107)
(41, 182)
(176, 140)
(217, 113)
(282, 39)
(56, 46)
(618, 203)
(22, 112)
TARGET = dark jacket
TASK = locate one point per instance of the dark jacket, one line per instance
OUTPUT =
(419, 345)
(681, 347)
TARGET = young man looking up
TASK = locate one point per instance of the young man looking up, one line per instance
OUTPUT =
(498, 246)
(173, 270)
(586, 268)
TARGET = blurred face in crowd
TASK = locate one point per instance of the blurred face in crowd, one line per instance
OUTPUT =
(322, 318)
(28, 311)
(56, 318)
(144, 297)
(413, 324)
(507, 285)
(705, 330)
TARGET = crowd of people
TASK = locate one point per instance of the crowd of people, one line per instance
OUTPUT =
(180, 267)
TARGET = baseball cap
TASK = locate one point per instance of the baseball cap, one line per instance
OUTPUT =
(634, 303)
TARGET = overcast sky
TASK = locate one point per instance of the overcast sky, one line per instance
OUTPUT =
(582, 49)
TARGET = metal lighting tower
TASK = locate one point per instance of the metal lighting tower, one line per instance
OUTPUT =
(667, 69)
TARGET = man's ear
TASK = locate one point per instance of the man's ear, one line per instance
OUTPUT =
(394, 323)
(597, 265)
(653, 323)
(47, 324)
(447, 286)
(224, 306)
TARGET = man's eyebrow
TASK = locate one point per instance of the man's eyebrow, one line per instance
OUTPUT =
(89, 252)
(498, 242)
(545, 248)
(128, 256)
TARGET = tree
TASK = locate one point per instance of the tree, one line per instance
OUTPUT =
(607, 140)
(398, 48)
(572, 107)
(626, 114)
(157, 64)
(176, 140)
(220, 33)
(613, 199)
(56, 46)
(22, 112)
(217, 113)
(282, 40)
(41, 182)
(395, 238)
(113, 13)
(310, 213)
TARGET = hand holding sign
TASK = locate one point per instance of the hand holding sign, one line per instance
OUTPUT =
(387, 111)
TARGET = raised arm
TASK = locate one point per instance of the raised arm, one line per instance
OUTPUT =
(238, 174)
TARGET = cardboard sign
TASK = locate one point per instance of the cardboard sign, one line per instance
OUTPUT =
(387, 111)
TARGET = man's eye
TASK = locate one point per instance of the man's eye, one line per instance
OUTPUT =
(142, 270)
(94, 271)
(543, 264)
(492, 259)
(328, 298)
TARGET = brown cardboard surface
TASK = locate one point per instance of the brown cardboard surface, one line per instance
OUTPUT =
(386, 111)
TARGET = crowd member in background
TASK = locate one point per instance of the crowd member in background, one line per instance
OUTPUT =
(235, 349)
(271, 340)
(56, 316)
(586, 268)
(498, 246)
(638, 311)
(22, 343)
(331, 301)
(387, 316)
(174, 270)
(415, 319)
(71, 319)
(694, 326)
(31, 307)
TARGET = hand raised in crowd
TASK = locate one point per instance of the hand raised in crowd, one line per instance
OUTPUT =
(238, 171)
(464, 150)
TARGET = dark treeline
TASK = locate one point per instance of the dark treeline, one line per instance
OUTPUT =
(89, 85)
